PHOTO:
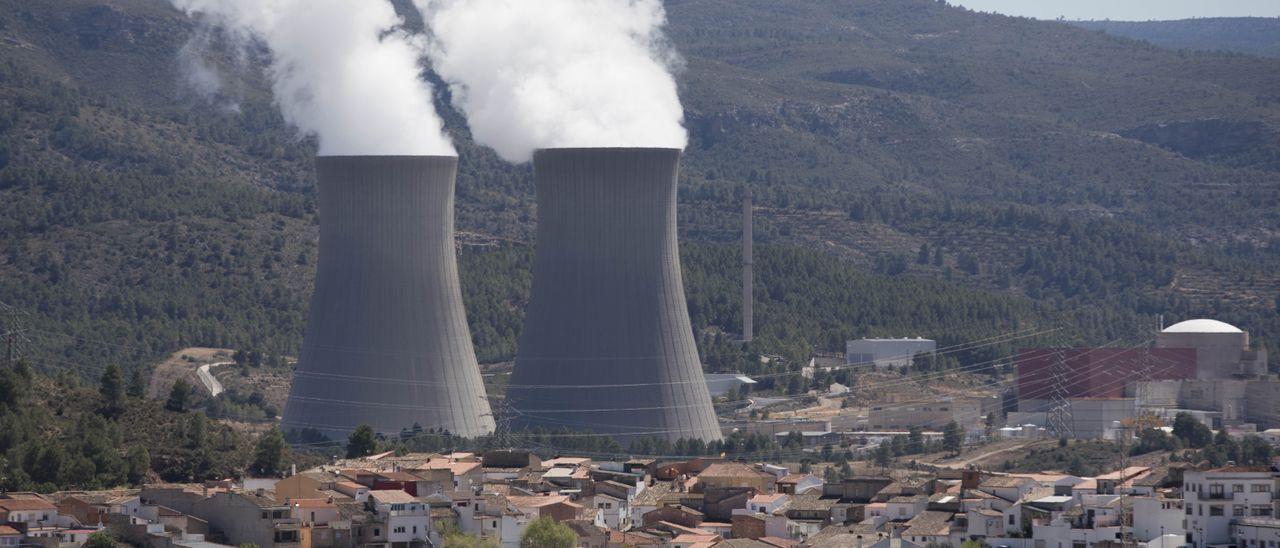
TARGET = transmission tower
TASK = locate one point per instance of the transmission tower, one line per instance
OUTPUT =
(1060, 418)
(13, 333)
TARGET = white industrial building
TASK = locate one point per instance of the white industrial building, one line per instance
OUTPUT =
(887, 352)
(1216, 498)
(720, 384)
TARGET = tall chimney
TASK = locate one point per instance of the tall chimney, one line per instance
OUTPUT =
(607, 343)
(387, 341)
(748, 264)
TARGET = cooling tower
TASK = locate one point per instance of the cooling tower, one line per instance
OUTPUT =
(607, 345)
(387, 342)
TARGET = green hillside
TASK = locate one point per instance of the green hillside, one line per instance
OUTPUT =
(1030, 160)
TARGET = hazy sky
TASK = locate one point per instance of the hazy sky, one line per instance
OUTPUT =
(1126, 10)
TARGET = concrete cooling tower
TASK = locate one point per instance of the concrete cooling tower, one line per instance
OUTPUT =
(387, 342)
(607, 345)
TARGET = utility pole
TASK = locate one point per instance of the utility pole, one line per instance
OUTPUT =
(748, 265)
(1125, 514)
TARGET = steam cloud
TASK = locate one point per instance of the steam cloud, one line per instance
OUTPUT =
(557, 73)
(342, 70)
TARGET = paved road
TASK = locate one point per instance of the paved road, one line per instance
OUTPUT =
(210, 382)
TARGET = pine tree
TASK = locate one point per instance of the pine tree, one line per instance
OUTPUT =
(178, 396)
(112, 390)
(953, 437)
(268, 459)
(137, 384)
(361, 442)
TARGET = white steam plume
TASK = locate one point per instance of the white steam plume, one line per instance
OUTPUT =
(341, 70)
(532, 74)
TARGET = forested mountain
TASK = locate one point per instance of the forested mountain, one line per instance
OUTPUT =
(1251, 35)
(974, 173)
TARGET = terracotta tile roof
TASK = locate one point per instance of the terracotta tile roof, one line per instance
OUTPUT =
(392, 496)
(811, 502)
(929, 523)
(26, 504)
(994, 482)
(6, 531)
(633, 538)
(733, 470)
(536, 501)
(1126, 473)
(767, 499)
(652, 495)
(399, 476)
(1238, 469)
(1086, 485)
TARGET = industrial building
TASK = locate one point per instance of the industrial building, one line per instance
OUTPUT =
(967, 412)
(387, 342)
(720, 384)
(1045, 373)
(1222, 350)
(887, 352)
(607, 344)
(1202, 366)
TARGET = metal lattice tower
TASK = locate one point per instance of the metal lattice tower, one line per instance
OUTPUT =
(13, 333)
(1060, 418)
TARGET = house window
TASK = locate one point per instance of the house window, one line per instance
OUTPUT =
(399, 529)
(1260, 488)
(1215, 510)
(1237, 488)
(1237, 511)
(1215, 490)
(377, 532)
(1188, 509)
(1011, 519)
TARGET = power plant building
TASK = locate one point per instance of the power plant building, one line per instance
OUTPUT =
(387, 341)
(1222, 350)
(1046, 373)
(1202, 366)
(886, 353)
(607, 344)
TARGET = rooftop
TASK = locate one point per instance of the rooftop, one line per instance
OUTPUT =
(392, 496)
(732, 469)
(26, 504)
(1005, 481)
(314, 503)
(535, 501)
